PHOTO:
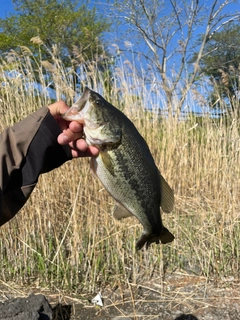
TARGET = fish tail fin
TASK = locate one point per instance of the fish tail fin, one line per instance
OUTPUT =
(166, 236)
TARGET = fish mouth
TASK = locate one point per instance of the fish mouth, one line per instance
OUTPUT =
(78, 109)
(82, 101)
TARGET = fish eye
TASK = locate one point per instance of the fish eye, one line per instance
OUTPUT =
(99, 103)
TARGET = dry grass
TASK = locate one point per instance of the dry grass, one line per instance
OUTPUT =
(65, 236)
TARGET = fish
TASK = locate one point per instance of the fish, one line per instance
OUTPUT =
(124, 166)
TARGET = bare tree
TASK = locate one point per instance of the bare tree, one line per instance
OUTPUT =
(170, 30)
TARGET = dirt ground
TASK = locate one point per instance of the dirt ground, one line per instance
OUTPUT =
(178, 297)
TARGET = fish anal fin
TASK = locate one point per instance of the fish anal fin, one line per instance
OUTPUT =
(119, 212)
(167, 196)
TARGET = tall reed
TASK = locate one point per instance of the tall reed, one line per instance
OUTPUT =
(65, 235)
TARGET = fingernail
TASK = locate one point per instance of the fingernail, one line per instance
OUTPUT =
(63, 139)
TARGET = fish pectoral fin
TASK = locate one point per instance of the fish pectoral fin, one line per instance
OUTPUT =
(107, 161)
(119, 212)
(167, 196)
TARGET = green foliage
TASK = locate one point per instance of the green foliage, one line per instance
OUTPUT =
(221, 62)
(62, 24)
(69, 29)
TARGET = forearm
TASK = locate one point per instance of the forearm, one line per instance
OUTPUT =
(27, 150)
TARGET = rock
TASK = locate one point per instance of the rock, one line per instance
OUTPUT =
(121, 318)
(186, 317)
(34, 307)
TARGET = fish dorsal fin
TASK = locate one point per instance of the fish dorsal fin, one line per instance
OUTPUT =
(167, 196)
(119, 212)
(107, 161)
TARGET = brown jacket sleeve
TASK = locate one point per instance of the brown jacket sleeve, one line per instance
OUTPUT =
(27, 149)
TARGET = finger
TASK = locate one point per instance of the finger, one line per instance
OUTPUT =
(89, 152)
(93, 151)
(75, 126)
(79, 145)
(68, 136)
(58, 108)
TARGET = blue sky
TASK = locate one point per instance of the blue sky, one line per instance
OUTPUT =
(6, 7)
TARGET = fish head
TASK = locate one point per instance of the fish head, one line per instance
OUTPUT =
(97, 115)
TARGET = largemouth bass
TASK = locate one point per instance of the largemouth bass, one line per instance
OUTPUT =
(124, 166)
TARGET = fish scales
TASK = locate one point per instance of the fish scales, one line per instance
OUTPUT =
(134, 181)
(124, 166)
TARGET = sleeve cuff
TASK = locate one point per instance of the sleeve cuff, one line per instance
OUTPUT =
(45, 153)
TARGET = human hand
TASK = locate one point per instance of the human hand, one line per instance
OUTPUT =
(72, 132)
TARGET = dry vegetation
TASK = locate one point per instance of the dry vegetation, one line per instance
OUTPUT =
(65, 236)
